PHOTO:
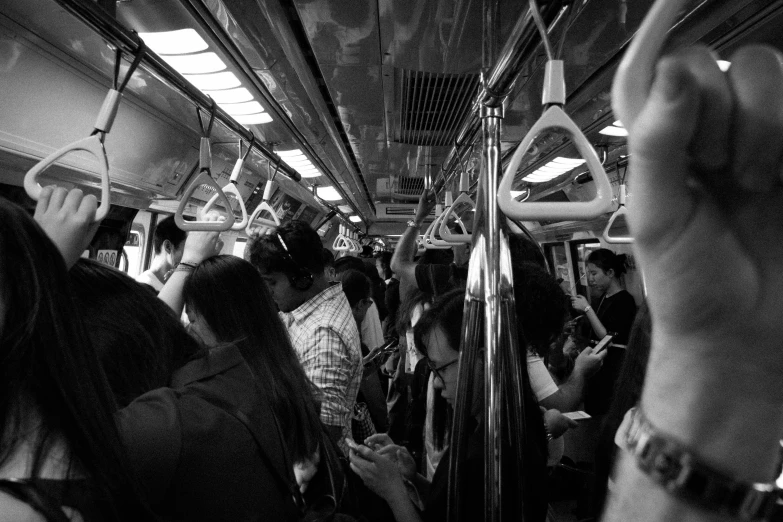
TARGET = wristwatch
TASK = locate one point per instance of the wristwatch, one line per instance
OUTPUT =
(412, 224)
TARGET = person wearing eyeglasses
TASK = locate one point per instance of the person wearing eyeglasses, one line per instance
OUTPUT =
(318, 317)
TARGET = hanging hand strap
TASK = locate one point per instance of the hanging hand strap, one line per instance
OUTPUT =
(555, 118)
(205, 178)
(621, 211)
(463, 199)
(233, 186)
(94, 143)
(340, 243)
(428, 240)
(634, 76)
(266, 225)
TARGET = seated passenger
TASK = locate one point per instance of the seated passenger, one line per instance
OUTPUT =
(60, 454)
(168, 241)
(318, 318)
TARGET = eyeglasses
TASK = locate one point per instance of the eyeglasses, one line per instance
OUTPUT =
(438, 369)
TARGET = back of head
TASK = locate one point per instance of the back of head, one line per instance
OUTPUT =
(356, 286)
(385, 259)
(437, 257)
(303, 243)
(348, 263)
(49, 371)
(167, 230)
(541, 306)
(524, 250)
(230, 295)
(328, 258)
(139, 340)
(446, 312)
(607, 260)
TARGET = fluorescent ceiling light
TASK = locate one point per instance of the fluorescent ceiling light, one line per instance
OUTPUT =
(309, 173)
(328, 193)
(253, 119)
(201, 63)
(724, 65)
(355, 219)
(215, 81)
(181, 41)
(289, 153)
(611, 130)
(298, 162)
(242, 109)
(230, 95)
(618, 123)
(345, 208)
(568, 161)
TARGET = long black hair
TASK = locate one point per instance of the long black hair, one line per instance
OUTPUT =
(49, 370)
(230, 295)
(139, 340)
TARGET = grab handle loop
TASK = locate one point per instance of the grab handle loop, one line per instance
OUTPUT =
(205, 178)
(340, 243)
(428, 240)
(94, 143)
(462, 199)
(555, 118)
(634, 76)
(267, 226)
(621, 211)
(233, 188)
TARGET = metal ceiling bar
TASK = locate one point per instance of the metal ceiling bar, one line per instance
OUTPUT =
(119, 36)
(202, 14)
(518, 49)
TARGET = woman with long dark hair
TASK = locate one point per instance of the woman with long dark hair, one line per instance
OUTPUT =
(227, 302)
(60, 453)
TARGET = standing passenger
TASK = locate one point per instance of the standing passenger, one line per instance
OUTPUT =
(169, 243)
(318, 317)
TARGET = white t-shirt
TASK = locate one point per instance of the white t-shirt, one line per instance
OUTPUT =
(149, 278)
(371, 331)
(540, 380)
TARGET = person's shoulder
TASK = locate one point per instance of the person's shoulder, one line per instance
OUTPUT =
(13, 510)
(625, 297)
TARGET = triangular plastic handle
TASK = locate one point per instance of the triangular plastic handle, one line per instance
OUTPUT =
(204, 178)
(340, 243)
(431, 243)
(91, 144)
(445, 233)
(231, 188)
(621, 211)
(634, 76)
(266, 225)
(555, 117)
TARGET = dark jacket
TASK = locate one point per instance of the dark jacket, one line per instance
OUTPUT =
(196, 460)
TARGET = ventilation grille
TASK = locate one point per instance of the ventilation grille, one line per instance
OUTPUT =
(405, 187)
(430, 106)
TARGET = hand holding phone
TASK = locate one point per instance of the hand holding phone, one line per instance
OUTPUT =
(577, 416)
(602, 345)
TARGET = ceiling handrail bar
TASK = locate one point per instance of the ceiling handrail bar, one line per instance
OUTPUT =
(94, 143)
(621, 211)
(204, 177)
(233, 188)
(267, 226)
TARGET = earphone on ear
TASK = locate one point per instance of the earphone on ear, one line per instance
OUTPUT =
(302, 279)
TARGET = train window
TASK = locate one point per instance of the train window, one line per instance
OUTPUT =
(580, 251)
(132, 252)
(557, 257)
(239, 248)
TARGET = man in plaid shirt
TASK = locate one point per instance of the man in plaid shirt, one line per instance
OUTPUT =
(319, 320)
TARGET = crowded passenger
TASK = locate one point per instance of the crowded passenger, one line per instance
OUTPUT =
(168, 242)
(370, 330)
(391, 293)
(317, 316)
(61, 457)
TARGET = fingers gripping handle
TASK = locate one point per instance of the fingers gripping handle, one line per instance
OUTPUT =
(207, 226)
(634, 76)
(91, 144)
(231, 188)
(445, 233)
(555, 117)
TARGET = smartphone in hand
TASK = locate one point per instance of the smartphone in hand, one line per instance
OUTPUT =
(577, 416)
(602, 345)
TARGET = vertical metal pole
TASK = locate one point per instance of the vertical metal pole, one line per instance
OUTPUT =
(491, 118)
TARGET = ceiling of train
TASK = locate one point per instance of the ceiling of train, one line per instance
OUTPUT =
(377, 89)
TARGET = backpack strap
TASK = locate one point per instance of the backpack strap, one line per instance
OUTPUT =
(28, 493)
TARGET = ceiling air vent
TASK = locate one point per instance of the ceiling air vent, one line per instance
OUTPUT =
(404, 187)
(429, 106)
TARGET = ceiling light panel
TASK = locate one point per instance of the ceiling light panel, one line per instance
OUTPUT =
(611, 130)
(328, 193)
(216, 81)
(289, 153)
(242, 109)
(345, 208)
(309, 173)
(355, 219)
(254, 119)
(202, 63)
(230, 95)
(182, 41)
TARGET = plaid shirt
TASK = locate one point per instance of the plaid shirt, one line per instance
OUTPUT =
(326, 340)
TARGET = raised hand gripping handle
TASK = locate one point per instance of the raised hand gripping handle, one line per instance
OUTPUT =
(231, 188)
(445, 233)
(204, 178)
(429, 242)
(634, 76)
(267, 225)
(555, 117)
(91, 144)
(621, 211)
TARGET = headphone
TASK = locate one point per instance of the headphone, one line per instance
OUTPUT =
(302, 279)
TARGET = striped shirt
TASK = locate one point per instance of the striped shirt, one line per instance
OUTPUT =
(326, 340)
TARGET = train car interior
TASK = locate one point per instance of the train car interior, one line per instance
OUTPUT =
(341, 114)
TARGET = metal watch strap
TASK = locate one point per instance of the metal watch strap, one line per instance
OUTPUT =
(678, 470)
(412, 224)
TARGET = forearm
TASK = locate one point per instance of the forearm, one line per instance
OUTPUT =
(402, 507)
(595, 323)
(405, 251)
(728, 414)
(171, 293)
(569, 395)
(422, 485)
